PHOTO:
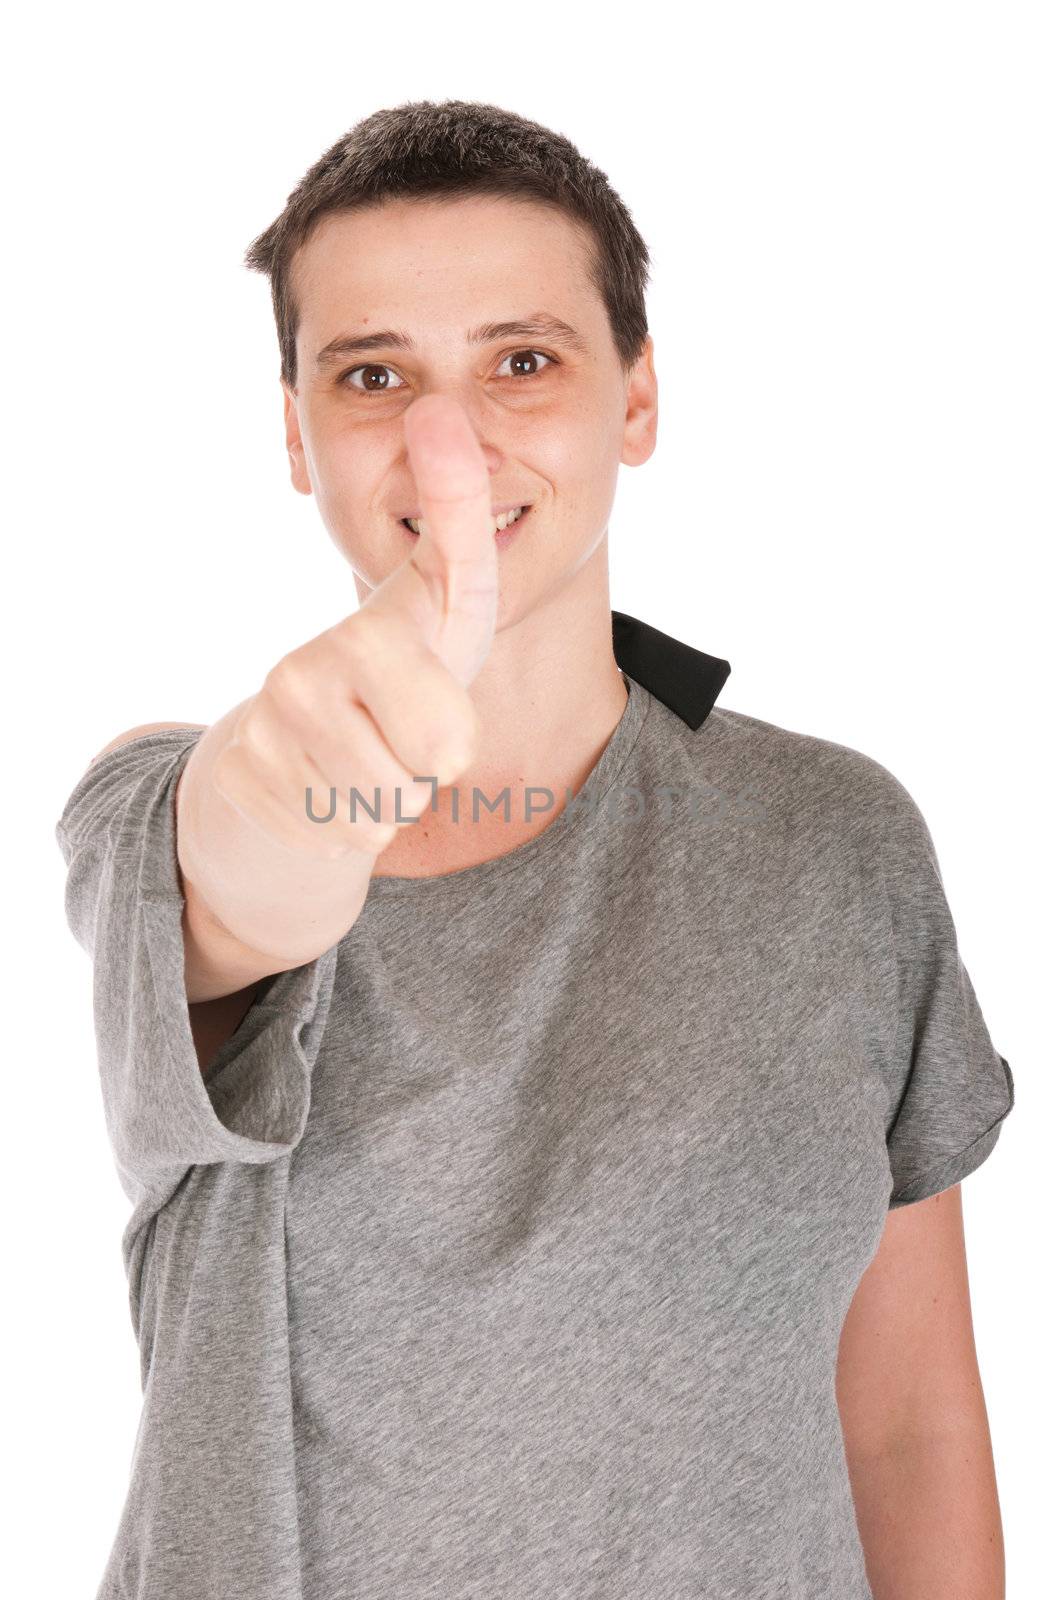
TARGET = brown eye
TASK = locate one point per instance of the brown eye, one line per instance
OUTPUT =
(532, 363)
(525, 357)
(376, 387)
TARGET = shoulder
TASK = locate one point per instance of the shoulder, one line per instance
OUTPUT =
(811, 785)
(146, 728)
(141, 760)
(805, 760)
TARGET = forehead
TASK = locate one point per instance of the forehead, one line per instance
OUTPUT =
(431, 266)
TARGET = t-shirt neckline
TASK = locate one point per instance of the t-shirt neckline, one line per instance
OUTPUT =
(563, 827)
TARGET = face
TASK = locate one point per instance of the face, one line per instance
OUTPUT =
(555, 417)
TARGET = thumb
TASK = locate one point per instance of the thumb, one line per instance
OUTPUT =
(449, 585)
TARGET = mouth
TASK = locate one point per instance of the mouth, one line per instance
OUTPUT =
(506, 522)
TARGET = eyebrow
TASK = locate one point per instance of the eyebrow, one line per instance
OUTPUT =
(542, 324)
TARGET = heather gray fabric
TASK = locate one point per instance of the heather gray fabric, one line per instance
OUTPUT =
(507, 1248)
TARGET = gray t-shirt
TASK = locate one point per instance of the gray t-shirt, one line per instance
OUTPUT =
(506, 1247)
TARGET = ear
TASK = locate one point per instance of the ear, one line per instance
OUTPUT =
(294, 439)
(640, 422)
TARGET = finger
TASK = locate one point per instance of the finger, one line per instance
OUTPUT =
(421, 710)
(449, 586)
(320, 800)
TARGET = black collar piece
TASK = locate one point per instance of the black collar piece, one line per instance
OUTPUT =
(686, 680)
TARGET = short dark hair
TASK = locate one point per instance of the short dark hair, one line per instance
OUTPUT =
(453, 148)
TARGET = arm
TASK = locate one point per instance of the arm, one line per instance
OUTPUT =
(375, 703)
(221, 969)
(914, 1417)
(255, 903)
(211, 1021)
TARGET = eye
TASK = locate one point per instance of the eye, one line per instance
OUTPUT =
(523, 355)
(378, 369)
(375, 367)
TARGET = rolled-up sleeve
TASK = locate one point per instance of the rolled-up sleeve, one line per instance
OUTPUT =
(950, 1089)
(124, 904)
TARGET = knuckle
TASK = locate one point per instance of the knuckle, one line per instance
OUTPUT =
(254, 738)
(368, 635)
(287, 683)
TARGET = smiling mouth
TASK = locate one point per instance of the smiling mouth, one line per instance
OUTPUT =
(509, 522)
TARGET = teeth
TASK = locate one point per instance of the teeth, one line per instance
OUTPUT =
(505, 520)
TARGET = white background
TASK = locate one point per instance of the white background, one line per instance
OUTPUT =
(853, 213)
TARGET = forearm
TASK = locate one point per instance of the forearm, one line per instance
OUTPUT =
(929, 1518)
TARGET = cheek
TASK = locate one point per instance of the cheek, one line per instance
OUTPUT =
(591, 473)
(570, 454)
(345, 489)
(344, 476)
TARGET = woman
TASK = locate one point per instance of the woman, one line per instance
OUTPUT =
(541, 1090)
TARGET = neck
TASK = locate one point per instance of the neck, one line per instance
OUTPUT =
(549, 697)
(550, 693)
